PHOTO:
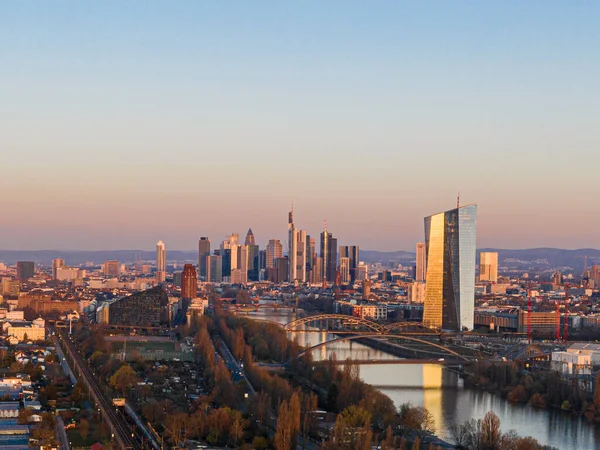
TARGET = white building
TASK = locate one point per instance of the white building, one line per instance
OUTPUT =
(416, 292)
(488, 266)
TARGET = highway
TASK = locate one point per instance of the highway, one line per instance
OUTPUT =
(119, 426)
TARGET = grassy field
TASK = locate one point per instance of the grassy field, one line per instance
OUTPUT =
(143, 347)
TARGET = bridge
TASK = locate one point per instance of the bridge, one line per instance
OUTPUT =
(255, 306)
(344, 324)
(423, 346)
(525, 352)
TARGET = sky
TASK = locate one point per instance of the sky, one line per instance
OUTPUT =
(127, 122)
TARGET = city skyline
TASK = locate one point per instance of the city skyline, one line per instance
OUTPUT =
(367, 103)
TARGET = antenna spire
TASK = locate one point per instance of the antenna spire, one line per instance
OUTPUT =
(458, 200)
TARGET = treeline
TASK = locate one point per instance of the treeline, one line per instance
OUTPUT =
(486, 434)
(543, 389)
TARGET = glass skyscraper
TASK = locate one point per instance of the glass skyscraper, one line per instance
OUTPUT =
(450, 290)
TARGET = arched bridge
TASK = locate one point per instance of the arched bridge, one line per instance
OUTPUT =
(525, 352)
(343, 323)
(425, 346)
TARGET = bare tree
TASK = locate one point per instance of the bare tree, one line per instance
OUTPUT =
(490, 431)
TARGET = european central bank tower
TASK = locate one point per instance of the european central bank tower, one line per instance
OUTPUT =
(450, 239)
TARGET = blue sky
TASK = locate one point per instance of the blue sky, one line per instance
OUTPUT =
(122, 123)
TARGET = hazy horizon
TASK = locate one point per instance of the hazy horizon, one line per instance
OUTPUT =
(125, 123)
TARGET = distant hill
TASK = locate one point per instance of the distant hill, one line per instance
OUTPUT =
(536, 258)
(75, 258)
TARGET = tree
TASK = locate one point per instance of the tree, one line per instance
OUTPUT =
(175, 424)
(260, 443)
(353, 429)
(123, 379)
(417, 419)
(332, 397)
(597, 390)
(490, 431)
(236, 428)
(283, 431)
(84, 428)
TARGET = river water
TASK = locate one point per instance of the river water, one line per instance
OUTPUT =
(443, 394)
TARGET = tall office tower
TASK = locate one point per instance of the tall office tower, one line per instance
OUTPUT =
(178, 278)
(231, 243)
(214, 269)
(189, 282)
(243, 263)
(111, 268)
(25, 270)
(316, 275)
(328, 256)
(226, 263)
(345, 270)
(262, 264)
(362, 272)
(56, 264)
(450, 290)
(161, 257)
(250, 238)
(354, 254)
(274, 251)
(488, 266)
(281, 266)
(421, 258)
(297, 262)
(161, 262)
(203, 254)
(310, 256)
(253, 263)
(344, 252)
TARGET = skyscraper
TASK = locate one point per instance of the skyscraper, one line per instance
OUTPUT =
(450, 290)
(231, 243)
(250, 238)
(203, 254)
(189, 282)
(56, 264)
(353, 254)
(328, 256)
(421, 257)
(25, 270)
(296, 251)
(253, 262)
(488, 266)
(161, 261)
(274, 251)
(344, 270)
(214, 269)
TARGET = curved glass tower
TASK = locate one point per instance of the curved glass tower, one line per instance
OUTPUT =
(450, 290)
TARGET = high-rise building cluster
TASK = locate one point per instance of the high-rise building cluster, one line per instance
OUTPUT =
(298, 262)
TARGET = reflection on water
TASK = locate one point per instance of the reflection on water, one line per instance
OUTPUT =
(442, 393)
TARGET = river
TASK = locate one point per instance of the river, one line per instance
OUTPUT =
(443, 394)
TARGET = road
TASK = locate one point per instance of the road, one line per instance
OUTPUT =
(237, 370)
(117, 423)
(61, 434)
